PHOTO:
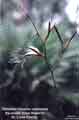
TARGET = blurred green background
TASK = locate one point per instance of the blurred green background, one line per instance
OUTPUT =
(17, 31)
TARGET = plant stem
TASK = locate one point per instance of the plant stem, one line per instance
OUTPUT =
(48, 65)
(51, 71)
(35, 27)
(59, 36)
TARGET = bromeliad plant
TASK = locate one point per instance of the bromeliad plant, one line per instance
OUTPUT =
(35, 51)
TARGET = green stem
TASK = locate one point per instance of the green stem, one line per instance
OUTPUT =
(35, 27)
(48, 65)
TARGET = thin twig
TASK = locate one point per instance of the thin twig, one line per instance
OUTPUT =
(73, 35)
(59, 36)
(47, 36)
(66, 45)
(51, 71)
(49, 30)
(35, 28)
(49, 66)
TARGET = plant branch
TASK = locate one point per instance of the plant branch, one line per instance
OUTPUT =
(35, 28)
(59, 36)
(49, 66)
(51, 71)
(67, 43)
(73, 35)
(47, 36)
(49, 31)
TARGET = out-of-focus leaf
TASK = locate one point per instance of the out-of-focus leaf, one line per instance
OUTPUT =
(36, 42)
